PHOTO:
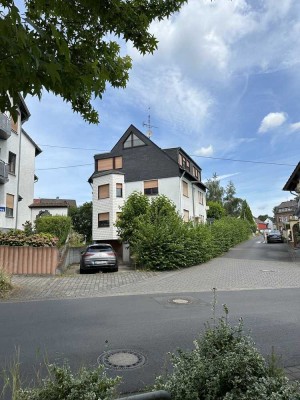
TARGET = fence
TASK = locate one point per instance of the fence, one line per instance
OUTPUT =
(29, 260)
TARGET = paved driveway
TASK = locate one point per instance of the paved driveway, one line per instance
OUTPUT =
(251, 265)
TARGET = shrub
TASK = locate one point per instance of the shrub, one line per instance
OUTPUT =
(57, 225)
(5, 283)
(19, 238)
(62, 384)
(159, 238)
(225, 365)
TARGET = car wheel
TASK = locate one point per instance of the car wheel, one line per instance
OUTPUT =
(81, 271)
(115, 269)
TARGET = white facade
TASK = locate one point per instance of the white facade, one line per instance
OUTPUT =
(172, 188)
(111, 205)
(62, 211)
(20, 184)
(193, 204)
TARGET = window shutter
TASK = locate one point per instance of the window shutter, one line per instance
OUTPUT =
(185, 189)
(103, 217)
(10, 200)
(151, 184)
(103, 191)
(14, 125)
(105, 164)
(118, 162)
(186, 215)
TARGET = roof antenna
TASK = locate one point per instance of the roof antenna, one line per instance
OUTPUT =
(149, 126)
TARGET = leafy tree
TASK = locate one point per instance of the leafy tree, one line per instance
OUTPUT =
(263, 217)
(72, 49)
(216, 210)
(231, 203)
(215, 191)
(57, 225)
(247, 215)
(82, 218)
(137, 204)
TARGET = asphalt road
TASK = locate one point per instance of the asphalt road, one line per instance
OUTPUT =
(151, 324)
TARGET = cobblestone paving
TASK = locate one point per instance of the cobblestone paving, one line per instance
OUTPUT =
(59, 287)
(221, 273)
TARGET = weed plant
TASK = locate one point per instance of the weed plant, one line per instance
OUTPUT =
(5, 283)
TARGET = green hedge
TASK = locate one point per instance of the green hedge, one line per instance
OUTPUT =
(20, 238)
(57, 225)
(169, 243)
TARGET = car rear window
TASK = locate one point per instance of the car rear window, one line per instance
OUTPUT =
(97, 249)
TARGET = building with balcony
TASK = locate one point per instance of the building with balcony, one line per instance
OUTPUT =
(17, 167)
(137, 164)
(293, 186)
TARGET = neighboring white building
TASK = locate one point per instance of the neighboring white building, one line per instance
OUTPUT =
(56, 206)
(137, 164)
(17, 167)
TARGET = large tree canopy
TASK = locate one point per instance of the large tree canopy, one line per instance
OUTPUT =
(69, 47)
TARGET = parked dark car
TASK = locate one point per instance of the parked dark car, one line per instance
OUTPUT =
(98, 257)
(275, 237)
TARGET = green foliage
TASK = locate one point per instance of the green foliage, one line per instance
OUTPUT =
(57, 225)
(263, 217)
(216, 210)
(215, 191)
(247, 215)
(5, 283)
(225, 365)
(28, 228)
(62, 384)
(136, 205)
(70, 51)
(82, 218)
(159, 239)
(19, 238)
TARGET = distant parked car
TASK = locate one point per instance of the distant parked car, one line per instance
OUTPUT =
(275, 237)
(98, 257)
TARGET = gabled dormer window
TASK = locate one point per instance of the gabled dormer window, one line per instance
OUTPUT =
(133, 141)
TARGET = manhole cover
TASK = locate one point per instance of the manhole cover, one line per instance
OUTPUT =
(121, 359)
(180, 301)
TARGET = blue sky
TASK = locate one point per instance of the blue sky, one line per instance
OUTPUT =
(224, 83)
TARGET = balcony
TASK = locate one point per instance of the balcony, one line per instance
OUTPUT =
(3, 172)
(5, 127)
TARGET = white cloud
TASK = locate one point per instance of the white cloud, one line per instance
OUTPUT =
(204, 151)
(220, 177)
(294, 127)
(272, 121)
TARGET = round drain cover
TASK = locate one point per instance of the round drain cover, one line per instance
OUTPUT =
(180, 301)
(121, 359)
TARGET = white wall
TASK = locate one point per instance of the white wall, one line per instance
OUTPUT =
(112, 205)
(171, 187)
(26, 185)
(63, 211)
(26, 159)
(11, 144)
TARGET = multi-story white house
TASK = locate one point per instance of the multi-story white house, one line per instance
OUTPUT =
(17, 167)
(137, 164)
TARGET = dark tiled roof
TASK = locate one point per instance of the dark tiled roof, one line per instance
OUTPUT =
(286, 204)
(293, 179)
(38, 203)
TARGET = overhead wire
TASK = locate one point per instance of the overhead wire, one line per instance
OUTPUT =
(192, 155)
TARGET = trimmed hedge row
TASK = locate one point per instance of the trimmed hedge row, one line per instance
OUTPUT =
(169, 243)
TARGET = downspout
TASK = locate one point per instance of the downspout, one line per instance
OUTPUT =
(18, 177)
(180, 197)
